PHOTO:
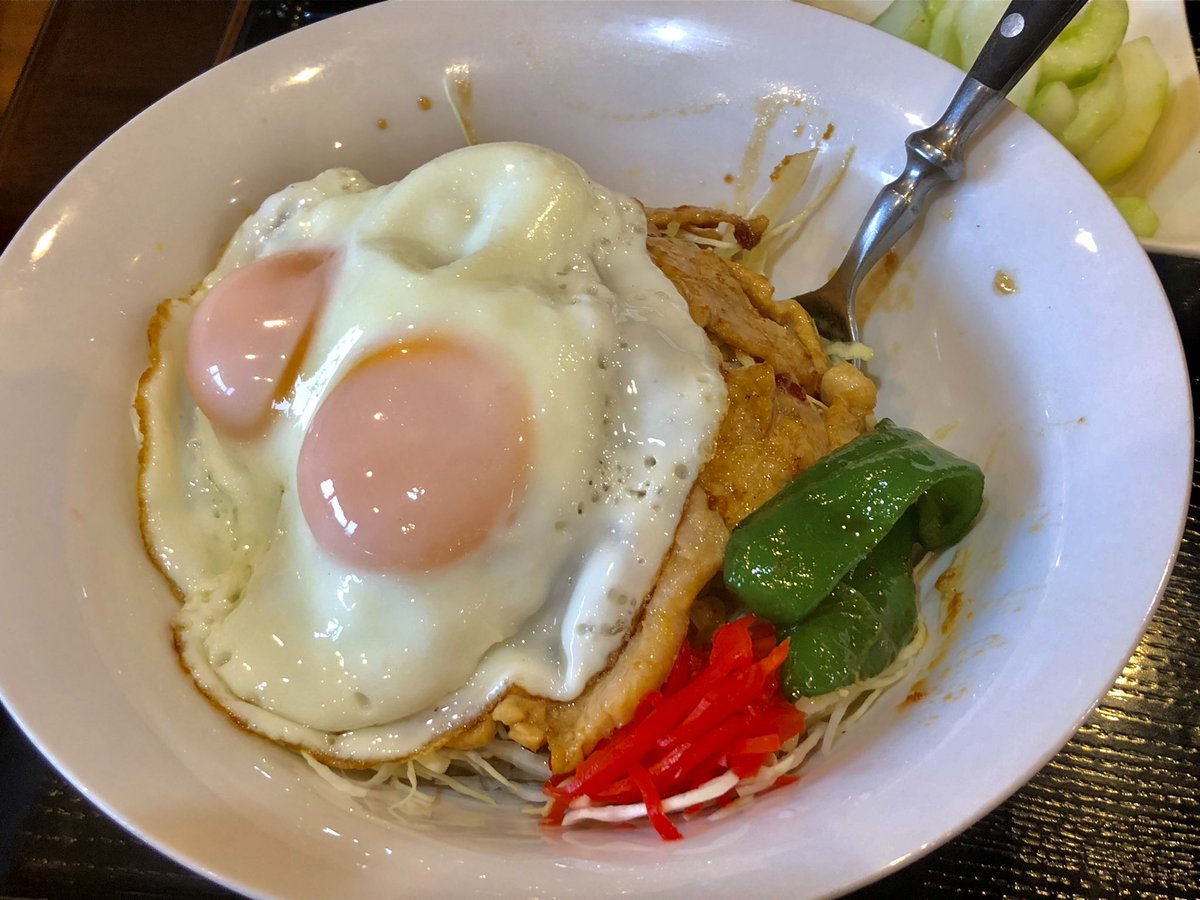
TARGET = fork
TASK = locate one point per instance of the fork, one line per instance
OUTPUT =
(935, 155)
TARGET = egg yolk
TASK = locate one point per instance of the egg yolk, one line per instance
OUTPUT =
(247, 338)
(416, 456)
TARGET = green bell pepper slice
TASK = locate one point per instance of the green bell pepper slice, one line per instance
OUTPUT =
(787, 556)
(861, 627)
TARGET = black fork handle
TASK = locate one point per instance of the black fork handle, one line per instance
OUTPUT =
(1025, 30)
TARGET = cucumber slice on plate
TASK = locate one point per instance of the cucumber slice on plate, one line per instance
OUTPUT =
(973, 24)
(1087, 43)
(1023, 91)
(1053, 107)
(909, 20)
(975, 21)
(1146, 86)
(1137, 212)
(1101, 102)
(943, 39)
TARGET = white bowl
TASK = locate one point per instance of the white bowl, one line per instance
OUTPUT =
(1071, 392)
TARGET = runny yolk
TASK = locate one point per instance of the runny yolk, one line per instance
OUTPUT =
(247, 337)
(416, 456)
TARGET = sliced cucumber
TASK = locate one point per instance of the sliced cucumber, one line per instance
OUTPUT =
(909, 20)
(1146, 87)
(1054, 106)
(1087, 43)
(975, 21)
(1023, 91)
(1137, 212)
(943, 39)
(1101, 102)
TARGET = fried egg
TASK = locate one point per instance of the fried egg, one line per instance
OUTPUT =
(410, 446)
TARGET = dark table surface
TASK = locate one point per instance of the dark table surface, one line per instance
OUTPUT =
(1115, 814)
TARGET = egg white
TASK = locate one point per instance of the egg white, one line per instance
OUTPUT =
(509, 245)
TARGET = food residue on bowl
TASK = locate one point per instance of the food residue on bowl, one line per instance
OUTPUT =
(460, 92)
(883, 288)
(918, 692)
(1003, 283)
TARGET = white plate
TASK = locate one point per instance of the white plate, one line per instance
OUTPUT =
(1168, 174)
(1072, 392)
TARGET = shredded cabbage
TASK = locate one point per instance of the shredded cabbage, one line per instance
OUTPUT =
(705, 793)
(786, 182)
(457, 85)
(473, 773)
(779, 236)
(845, 351)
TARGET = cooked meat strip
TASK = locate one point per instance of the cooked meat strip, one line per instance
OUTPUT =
(787, 408)
(698, 219)
(767, 437)
(718, 301)
(696, 555)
